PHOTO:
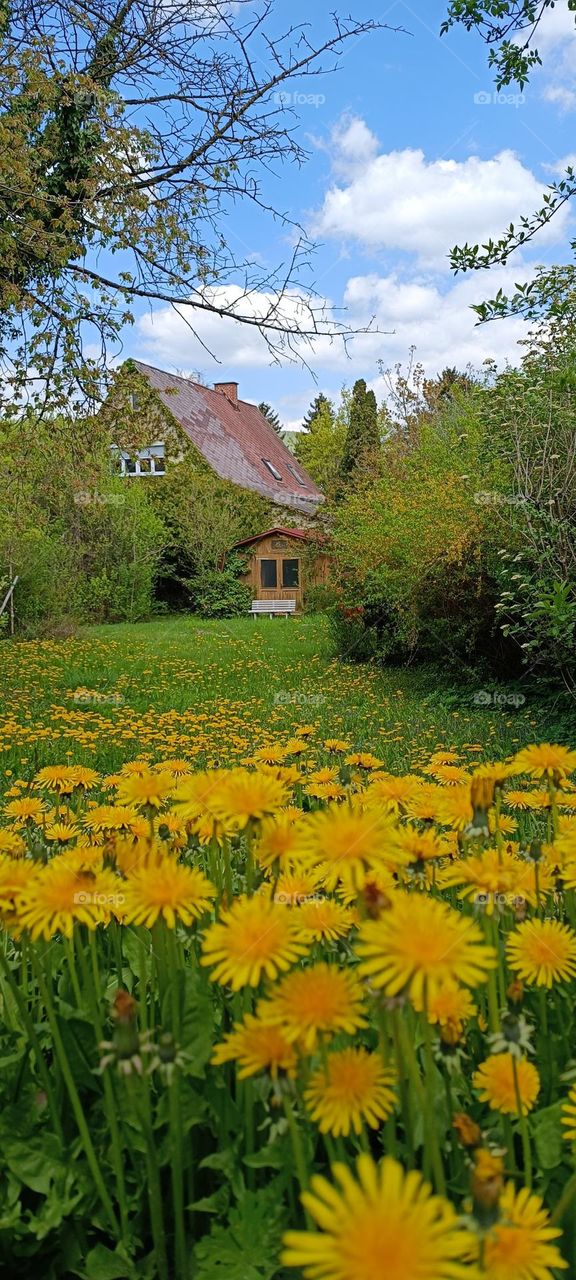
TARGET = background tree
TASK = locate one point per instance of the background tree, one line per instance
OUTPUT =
(362, 443)
(122, 149)
(319, 448)
(319, 406)
(271, 416)
(510, 28)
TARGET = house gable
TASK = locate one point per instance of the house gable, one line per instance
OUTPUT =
(232, 436)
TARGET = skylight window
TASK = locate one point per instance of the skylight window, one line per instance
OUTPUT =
(297, 477)
(272, 469)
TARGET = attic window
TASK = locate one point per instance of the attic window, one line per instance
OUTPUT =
(147, 462)
(298, 478)
(133, 399)
(272, 469)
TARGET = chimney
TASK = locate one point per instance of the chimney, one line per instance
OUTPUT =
(229, 389)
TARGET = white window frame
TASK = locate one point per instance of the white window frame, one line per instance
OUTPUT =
(272, 469)
(154, 454)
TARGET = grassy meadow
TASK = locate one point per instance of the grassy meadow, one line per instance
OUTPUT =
(287, 964)
(213, 691)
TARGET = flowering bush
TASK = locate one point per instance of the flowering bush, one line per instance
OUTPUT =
(272, 1019)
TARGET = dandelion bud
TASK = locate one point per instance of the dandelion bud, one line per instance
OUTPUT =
(487, 1184)
(515, 992)
(469, 1133)
(451, 1032)
(375, 901)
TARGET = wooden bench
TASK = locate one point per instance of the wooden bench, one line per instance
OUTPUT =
(272, 607)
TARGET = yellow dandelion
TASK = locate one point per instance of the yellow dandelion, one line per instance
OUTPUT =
(348, 842)
(454, 808)
(86, 778)
(278, 841)
(419, 846)
(422, 803)
(110, 817)
(545, 760)
(527, 799)
(450, 1005)
(255, 938)
(166, 890)
(325, 791)
(391, 793)
(57, 777)
(569, 1115)
(485, 877)
(542, 952)
(495, 1081)
(246, 797)
(26, 809)
(296, 887)
(449, 775)
(350, 1089)
(61, 832)
(363, 760)
(151, 789)
(178, 768)
(519, 1245)
(418, 944)
(257, 1047)
(11, 842)
(129, 854)
(319, 1001)
(15, 875)
(383, 1223)
(324, 920)
(59, 895)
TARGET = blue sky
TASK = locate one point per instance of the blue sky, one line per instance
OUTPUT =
(410, 151)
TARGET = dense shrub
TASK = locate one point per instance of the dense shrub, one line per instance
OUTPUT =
(219, 593)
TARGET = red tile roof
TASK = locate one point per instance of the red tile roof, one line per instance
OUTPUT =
(235, 439)
(307, 535)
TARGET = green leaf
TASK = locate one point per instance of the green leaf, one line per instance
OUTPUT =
(197, 1022)
(103, 1264)
(247, 1248)
(547, 1133)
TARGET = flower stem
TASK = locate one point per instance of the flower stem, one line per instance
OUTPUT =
(297, 1148)
(526, 1150)
(435, 1151)
(175, 1115)
(75, 1102)
(35, 1044)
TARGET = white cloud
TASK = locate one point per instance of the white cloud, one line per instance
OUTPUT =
(560, 96)
(560, 166)
(555, 39)
(400, 201)
(353, 145)
(556, 27)
(421, 312)
(187, 338)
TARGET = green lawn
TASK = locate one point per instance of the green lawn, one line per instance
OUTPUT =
(216, 689)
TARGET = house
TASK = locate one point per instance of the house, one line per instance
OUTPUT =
(232, 436)
(284, 563)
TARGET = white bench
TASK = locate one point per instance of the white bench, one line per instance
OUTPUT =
(272, 607)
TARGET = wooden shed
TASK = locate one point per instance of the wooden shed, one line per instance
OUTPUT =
(284, 563)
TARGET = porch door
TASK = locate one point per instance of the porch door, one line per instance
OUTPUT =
(279, 578)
